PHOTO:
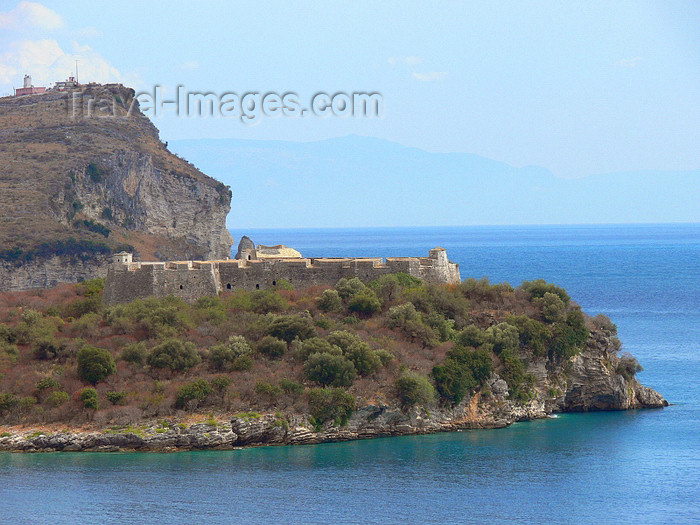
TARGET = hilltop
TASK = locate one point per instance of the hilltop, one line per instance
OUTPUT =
(80, 182)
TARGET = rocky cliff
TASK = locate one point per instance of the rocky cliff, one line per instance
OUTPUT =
(78, 183)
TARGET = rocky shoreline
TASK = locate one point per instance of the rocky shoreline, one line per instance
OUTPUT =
(252, 429)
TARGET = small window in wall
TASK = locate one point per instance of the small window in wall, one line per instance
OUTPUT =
(257, 287)
(228, 286)
(249, 257)
(180, 287)
(274, 283)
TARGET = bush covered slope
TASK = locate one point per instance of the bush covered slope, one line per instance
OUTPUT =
(321, 353)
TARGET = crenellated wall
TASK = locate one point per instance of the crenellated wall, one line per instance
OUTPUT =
(190, 280)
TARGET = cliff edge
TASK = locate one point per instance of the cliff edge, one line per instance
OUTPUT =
(84, 174)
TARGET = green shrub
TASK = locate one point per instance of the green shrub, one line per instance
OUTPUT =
(34, 328)
(242, 363)
(222, 356)
(551, 306)
(600, 321)
(265, 301)
(533, 334)
(628, 367)
(365, 359)
(134, 353)
(385, 357)
(91, 287)
(323, 322)
(414, 389)
(343, 339)
(221, 383)
(27, 403)
(316, 345)
(569, 337)
(330, 404)
(482, 291)
(444, 328)
(175, 355)
(116, 398)
(504, 337)
(330, 301)
(160, 317)
(8, 402)
(86, 325)
(195, 391)
(514, 373)
(210, 309)
(240, 300)
(291, 387)
(95, 172)
(327, 369)
(91, 304)
(57, 398)
(538, 288)
(421, 333)
(10, 350)
(462, 371)
(399, 315)
(284, 284)
(364, 303)
(387, 289)
(89, 398)
(31, 317)
(349, 287)
(95, 364)
(471, 336)
(7, 335)
(290, 327)
(48, 383)
(48, 348)
(268, 392)
(477, 362)
(272, 347)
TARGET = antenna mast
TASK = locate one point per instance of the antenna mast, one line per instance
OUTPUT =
(76, 72)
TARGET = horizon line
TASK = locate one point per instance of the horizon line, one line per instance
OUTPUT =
(530, 225)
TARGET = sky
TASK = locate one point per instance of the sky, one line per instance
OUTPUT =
(578, 88)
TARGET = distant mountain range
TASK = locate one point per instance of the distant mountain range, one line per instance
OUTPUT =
(359, 181)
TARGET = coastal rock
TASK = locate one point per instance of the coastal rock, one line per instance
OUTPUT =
(245, 244)
(256, 430)
(595, 384)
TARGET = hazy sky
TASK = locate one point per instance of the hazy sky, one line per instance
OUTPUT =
(577, 87)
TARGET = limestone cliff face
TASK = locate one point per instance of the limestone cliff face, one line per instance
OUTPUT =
(47, 272)
(593, 382)
(77, 185)
(188, 215)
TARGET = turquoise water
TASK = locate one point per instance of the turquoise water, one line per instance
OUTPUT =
(638, 466)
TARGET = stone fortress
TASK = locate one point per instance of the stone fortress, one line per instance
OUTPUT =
(260, 268)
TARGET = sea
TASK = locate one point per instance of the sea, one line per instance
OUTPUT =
(639, 466)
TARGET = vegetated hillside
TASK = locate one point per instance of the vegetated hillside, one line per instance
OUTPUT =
(392, 356)
(76, 186)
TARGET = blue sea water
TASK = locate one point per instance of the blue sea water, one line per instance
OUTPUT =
(618, 467)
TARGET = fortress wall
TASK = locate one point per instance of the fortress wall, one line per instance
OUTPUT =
(188, 282)
(124, 284)
(191, 280)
